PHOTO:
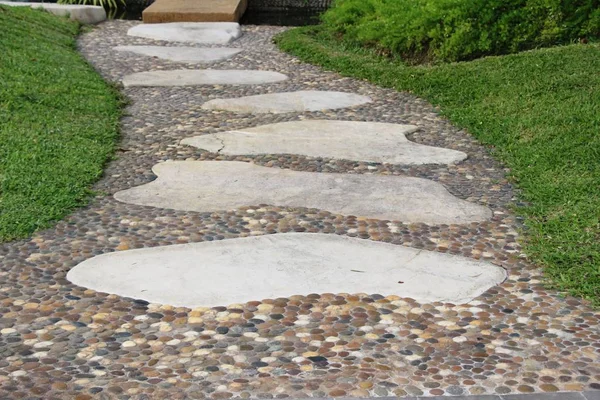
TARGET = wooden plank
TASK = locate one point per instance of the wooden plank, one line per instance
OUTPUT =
(194, 11)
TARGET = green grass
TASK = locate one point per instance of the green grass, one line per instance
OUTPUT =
(540, 113)
(58, 121)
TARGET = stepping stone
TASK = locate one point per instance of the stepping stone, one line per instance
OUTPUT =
(190, 55)
(357, 141)
(194, 77)
(207, 186)
(193, 32)
(85, 14)
(231, 271)
(288, 102)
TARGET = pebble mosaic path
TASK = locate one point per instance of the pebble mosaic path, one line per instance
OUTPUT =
(59, 340)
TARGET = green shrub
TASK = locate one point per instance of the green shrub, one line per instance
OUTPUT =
(454, 30)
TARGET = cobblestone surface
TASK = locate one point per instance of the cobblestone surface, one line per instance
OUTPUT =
(61, 341)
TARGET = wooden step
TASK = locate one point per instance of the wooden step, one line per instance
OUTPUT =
(194, 11)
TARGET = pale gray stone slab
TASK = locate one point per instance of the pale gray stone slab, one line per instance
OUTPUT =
(189, 55)
(544, 396)
(288, 102)
(195, 77)
(231, 271)
(192, 32)
(348, 140)
(528, 396)
(77, 12)
(214, 185)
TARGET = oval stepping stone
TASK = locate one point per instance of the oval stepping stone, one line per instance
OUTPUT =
(224, 272)
(193, 32)
(190, 55)
(205, 186)
(348, 140)
(288, 102)
(193, 77)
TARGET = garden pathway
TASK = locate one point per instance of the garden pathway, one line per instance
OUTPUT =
(61, 340)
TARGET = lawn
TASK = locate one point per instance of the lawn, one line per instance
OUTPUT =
(59, 121)
(539, 111)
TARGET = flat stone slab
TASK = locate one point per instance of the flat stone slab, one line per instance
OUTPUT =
(192, 32)
(224, 272)
(189, 55)
(206, 186)
(77, 12)
(348, 140)
(162, 11)
(288, 102)
(194, 77)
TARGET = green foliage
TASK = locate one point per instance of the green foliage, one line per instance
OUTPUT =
(540, 113)
(59, 121)
(110, 4)
(454, 30)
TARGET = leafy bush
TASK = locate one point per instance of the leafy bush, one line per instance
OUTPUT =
(454, 30)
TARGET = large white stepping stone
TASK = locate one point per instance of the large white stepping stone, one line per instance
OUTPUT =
(255, 268)
(288, 102)
(86, 14)
(193, 77)
(224, 185)
(358, 141)
(193, 32)
(190, 55)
